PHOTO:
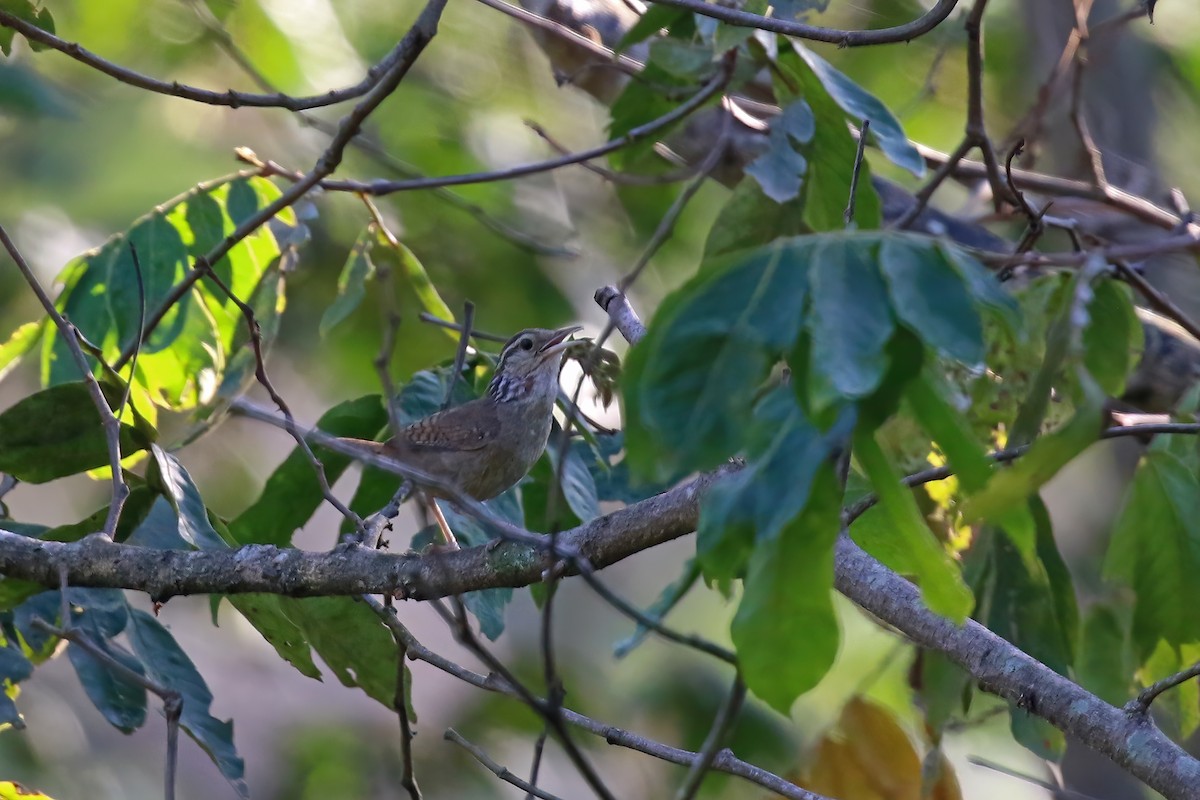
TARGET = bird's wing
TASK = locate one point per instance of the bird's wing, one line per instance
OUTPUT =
(450, 430)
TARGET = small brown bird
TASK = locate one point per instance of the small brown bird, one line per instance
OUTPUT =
(486, 446)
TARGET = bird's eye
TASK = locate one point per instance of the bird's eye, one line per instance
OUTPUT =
(526, 344)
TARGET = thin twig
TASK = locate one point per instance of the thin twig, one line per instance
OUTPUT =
(430, 319)
(228, 98)
(724, 762)
(848, 214)
(1059, 792)
(408, 776)
(722, 724)
(141, 296)
(500, 772)
(460, 355)
(459, 626)
(1141, 704)
(110, 423)
(842, 38)
(536, 767)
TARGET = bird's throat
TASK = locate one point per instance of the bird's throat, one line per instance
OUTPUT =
(506, 388)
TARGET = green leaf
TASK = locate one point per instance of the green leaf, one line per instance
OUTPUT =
(346, 634)
(859, 105)
(488, 605)
(946, 426)
(137, 506)
(21, 342)
(929, 296)
(576, 484)
(351, 283)
(120, 700)
(1008, 488)
(182, 362)
(908, 546)
(169, 665)
(691, 381)
(832, 154)
(180, 490)
(749, 218)
(292, 493)
(30, 12)
(57, 432)
(781, 168)
(1104, 665)
(649, 24)
(400, 256)
(1155, 550)
(851, 321)
(786, 454)
(1112, 337)
(785, 630)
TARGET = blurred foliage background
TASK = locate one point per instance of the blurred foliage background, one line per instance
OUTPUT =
(82, 156)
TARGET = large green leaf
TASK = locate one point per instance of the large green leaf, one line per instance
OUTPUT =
(851, 320)
(749, 219)
(1112, 337)
(1155, 550)
(345, 633)
(781, 167)
(29, 11)
(858, 104)
(167, 663)
(785, 630)
(1103, 664)
(57, 432)
(757, 503)
(693, 378)
(183, 361)
(930, 298)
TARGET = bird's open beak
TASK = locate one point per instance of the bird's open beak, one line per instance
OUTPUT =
(558, 342)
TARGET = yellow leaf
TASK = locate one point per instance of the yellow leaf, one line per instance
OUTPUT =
(868, 756)
(11, 790)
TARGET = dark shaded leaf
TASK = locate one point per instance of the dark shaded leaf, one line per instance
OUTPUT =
(57, 432)
(181, 492)
(930, 298)
(119, 699)
(1104, 665)
(850, 322)
(1112, 337)
(167, 663)
(781, 168)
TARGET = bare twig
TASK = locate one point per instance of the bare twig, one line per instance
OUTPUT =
(1141, 704)
(1059, 792)
(430, 319)
(843, 38)
(536, 767)
(500, 772)
(110, 423)
(408, 776)
(848, 214)
(460, 355)
(722, 724)
(228, 98)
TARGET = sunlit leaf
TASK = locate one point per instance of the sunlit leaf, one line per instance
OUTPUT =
(351, 285)
(21, 342)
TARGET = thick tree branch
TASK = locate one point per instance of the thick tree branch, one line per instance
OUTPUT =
(350, 570)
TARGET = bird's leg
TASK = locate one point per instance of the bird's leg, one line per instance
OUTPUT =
(447, 534)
